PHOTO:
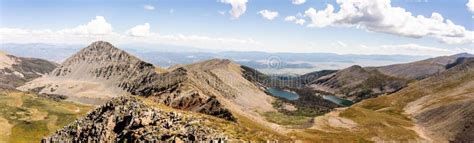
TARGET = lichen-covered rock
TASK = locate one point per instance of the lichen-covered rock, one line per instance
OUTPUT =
(128, 119)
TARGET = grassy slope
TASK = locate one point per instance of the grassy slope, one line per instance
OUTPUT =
(32, 117)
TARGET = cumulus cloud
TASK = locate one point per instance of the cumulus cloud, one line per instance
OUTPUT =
(149, 7)
(381, 16)
(300, 21)
(298, 2)
(99, 29)
(290, 18)
(269, 15)
(238, 7)
(98, 26)
(295, 20)
(140, 30)
(470, 5)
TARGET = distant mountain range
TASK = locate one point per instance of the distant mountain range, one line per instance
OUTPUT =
(166, 56)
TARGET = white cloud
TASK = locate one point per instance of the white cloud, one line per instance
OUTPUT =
(269, 15)
(298, 2)
(300, 21)
(99, 29)
(148, 7)
(295, 20)
(290, 18)
(98, 26)
(380, 16)
(238, 7)
(140, 30)
(470, 5)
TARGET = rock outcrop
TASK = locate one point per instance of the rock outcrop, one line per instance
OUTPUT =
(129, 119)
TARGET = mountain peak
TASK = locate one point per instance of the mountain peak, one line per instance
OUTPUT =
(354, 68)
(100, 43)
(101, 46)
(102, 59)
(101, 52)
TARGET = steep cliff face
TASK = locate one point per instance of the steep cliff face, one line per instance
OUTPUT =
(15, 71)
(127, 118)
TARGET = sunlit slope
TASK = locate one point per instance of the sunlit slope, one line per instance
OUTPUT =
(26, 117)
(438, 108)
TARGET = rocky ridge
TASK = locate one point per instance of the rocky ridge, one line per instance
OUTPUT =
(102, 71)
(129, 119)
(445, 109)
(15, 71)
(422, 69)
(357, 83)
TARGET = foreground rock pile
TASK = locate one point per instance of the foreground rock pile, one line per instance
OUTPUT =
(126, 118)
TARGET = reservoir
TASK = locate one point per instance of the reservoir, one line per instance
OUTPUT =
(282, 93)
(337, 100)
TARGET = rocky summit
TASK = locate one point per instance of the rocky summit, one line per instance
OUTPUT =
(94, 74)
(102, 61)
(129, 119)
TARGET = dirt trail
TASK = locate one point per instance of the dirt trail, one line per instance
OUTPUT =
(332, 120)
(421, 133)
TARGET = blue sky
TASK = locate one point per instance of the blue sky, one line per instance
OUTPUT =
(200, 23)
